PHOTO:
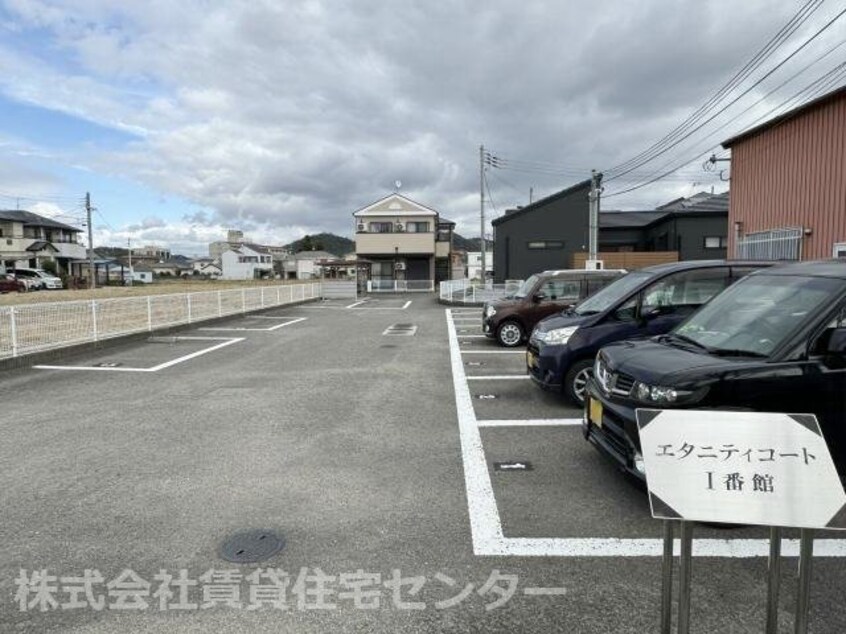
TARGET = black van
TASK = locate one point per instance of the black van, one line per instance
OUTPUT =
(642, 304)
(774, 342)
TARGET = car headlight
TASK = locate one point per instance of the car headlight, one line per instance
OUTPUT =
(658, 395)
(490, 311)
(556, 337)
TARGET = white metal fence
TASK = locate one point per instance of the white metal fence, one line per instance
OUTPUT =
(37, 327)
(400, 286)
(339, 289)
(467, 292)
(776, 244)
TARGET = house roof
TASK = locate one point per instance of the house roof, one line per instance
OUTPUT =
(540, 203)
(395, 205)
(171, 264)
(447, 221)
(629, 219)
(40, 245)
(834, 95)
(30, 219)
(258, 248)
(717, 204)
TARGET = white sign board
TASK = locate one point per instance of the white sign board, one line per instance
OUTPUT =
(740, 468)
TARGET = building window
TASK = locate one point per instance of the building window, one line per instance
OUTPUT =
(716, 242)
(839, 251)
(545, 244)
(381, 227)
(417, 227)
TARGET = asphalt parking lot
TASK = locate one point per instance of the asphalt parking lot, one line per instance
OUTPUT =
(381, 439)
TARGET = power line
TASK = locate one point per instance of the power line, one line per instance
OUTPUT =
(663, 147)
(809, 88)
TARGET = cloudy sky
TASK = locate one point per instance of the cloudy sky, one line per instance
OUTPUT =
(281, 117)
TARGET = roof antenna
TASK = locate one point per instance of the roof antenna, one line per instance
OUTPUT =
(397, 185)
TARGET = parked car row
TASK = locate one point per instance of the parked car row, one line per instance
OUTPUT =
(728, 335)
(510, 320)
(35, 279)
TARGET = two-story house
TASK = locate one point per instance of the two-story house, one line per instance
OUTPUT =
(246, 262)
(407, 244)
(28, 240)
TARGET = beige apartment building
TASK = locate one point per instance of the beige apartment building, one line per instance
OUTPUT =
(406, 244)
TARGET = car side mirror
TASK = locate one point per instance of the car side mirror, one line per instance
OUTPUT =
(837, 342)
(539, 297)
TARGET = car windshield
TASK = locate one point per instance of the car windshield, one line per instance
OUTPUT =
(526, 287)
(612, 294)
(757, 314)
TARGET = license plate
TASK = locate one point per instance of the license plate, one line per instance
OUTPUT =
(531, 359)
(595, 412)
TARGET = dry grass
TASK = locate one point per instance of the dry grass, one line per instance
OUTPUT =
(137, 290)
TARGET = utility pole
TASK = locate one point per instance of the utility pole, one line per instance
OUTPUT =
(91, 281)
(482, 209)
(593, 221)
(531, 194)
(129, 249)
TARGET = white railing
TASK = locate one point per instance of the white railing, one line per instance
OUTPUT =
(776, 244)
(400, 286)
(37, 327)
(467, 292)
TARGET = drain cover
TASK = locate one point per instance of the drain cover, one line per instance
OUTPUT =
(251, 546)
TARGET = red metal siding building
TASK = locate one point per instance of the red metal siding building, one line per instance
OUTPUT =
(788, 184)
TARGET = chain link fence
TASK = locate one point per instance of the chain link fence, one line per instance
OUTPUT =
(38, 327)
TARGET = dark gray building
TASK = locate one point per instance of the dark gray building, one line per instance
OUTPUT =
(546, 234)
(697, 228)
(542, 235)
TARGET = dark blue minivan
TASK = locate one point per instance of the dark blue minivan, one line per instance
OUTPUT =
(644, 303)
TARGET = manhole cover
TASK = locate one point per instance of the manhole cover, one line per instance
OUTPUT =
(251, 546)
(514, 465)
(400, 330)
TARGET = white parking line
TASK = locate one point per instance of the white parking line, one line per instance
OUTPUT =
(270, 329)
(161, 366)
(472, 336)
(531, 422)
(354, 304)
(499, 377)
(486, 526)
(490, 351)
(403, 307)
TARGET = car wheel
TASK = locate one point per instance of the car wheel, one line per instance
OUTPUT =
(575, 381)
(509, 334)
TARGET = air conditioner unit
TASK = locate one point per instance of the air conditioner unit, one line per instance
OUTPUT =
(399, 266)
(361, 227)
(400, 227)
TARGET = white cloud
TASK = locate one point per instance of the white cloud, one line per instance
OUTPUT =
(288, 116)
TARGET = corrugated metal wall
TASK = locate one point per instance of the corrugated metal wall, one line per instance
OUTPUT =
(794, 175)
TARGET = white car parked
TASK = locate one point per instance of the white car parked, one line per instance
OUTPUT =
(38, 278)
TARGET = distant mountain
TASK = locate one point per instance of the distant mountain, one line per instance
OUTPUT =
(336, 245)
(469, 244)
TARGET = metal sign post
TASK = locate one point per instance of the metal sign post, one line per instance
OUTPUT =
(667, 579)
(763, 469)
(773, 580)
